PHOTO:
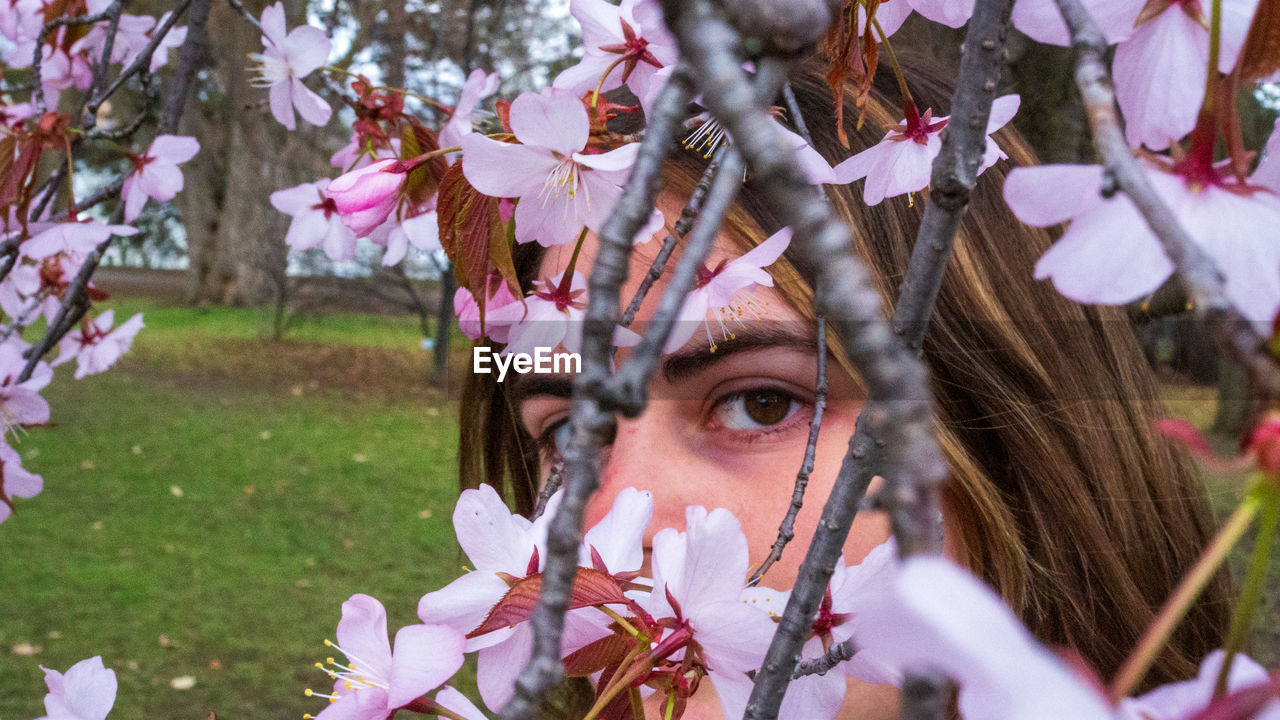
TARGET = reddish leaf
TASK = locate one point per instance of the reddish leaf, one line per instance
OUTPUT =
(423, 181)
(474, 236)
(590, 587)
(598, 655)
(1260, 57)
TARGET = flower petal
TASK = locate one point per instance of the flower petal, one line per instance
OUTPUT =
(425, 657)
(553, 119)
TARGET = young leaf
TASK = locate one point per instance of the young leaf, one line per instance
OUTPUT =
(591, 587)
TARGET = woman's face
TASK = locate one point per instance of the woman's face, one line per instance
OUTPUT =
(723, 428)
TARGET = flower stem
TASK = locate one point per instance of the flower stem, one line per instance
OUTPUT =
(893, 62)
(637, 703)
(566, 281)
(595, 96)
(1269, 518)
(430, 101)
(1176, 607)
(623, 623)
(1209, 105)
(621, 680)
(671, 706)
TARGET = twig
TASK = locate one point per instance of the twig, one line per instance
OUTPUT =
(143, 60)
(896, 421)
(793, 109)
(682, 227)
(591, 423)
(554, 481)
(1196, 270)
(787, 530)
(628, 391)
(73, 308)
(840, 652)
(239, 8)
(37, 59)
(188, 62)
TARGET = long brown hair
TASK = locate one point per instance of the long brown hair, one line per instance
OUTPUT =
(1070, 506)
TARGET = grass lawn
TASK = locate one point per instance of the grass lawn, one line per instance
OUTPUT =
(211, 502)
(209, 524)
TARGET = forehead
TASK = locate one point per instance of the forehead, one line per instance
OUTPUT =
(776, 307)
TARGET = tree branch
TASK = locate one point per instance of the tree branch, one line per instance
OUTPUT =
(592, 424)
(1197, 272)
(840, 652)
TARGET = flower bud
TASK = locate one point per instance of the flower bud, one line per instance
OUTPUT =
(1264, 445)
(365, 197)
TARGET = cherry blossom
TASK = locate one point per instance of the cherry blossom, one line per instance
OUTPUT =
(1042, 20)
(1268, 172)
(627, 41)
(80, 238)
(903, 161)
(316, 221)
(479, 85)
(365, 197)
(698, 580)
(86, 692)
(132, 36)
(15, 481)
(1160, 71)
(421, 231)
(20, 402)
(468, 310)
(552, 315)
(561, 187)
(20, 23)
(716, 288)
(95, 346)
(353, 156)
(952, 13)
(155, 173)
(1177, 701)
(374, 681)
(936, 615)
(285, 61)
(1108, 255)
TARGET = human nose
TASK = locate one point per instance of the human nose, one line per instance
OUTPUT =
(640, 456)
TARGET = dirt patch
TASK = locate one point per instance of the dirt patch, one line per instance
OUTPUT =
(286, 367)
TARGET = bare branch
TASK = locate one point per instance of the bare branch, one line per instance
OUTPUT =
(840, 652)
(189, 59)
(681, 228)
(37, 56)
(629, 389)
(143, 60)
(591, 423)
(895, 423)
(239, 8)
(1197, 272)
(787, 530)
(554, 480)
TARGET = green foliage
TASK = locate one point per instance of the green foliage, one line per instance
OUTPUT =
(211, 526)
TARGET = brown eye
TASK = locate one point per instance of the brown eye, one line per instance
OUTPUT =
(755, 409)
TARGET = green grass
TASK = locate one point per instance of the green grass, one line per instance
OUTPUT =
(192, 527)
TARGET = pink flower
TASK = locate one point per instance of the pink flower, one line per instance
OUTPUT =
(95, 346)
(505, 548)
(698, 578)
(952, 13)
(1109, 256)
(561, 187)
(20, 402)
(316, 221)
(80, 238)
(1268, 172)
(716, 289)
(552, 315)
(479, 85)
(1042, 21)
(422, 231)
(366, 196)
(15, 481)
(1160, 71)
(86, 692)
(375, 682)
(629, 41)
(132, 36)
(283, 63)
(468, 310)
(352, 155)
(156, 174)
(938, 616)
(903, 161)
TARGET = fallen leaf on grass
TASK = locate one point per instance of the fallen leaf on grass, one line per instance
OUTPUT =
(177, 491)
(26, 649)
(182, 682)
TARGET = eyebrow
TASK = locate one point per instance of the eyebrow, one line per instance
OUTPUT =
(689, 361)
(525, 386)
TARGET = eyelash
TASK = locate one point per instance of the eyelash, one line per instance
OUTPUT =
(545, 442)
